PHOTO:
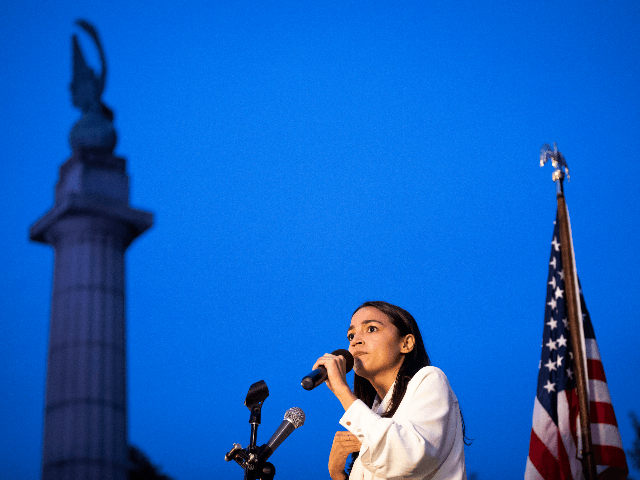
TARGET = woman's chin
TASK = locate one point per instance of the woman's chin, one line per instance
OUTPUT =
(358, 368)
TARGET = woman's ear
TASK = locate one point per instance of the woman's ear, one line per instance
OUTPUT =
(408, 343)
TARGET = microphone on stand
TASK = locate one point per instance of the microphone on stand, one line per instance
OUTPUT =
(319, 375)
(293, 418)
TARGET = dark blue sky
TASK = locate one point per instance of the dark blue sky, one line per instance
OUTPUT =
(303, 158)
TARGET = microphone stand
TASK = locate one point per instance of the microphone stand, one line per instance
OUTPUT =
(248, 458)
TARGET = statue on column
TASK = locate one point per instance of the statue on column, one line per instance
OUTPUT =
(95, 128)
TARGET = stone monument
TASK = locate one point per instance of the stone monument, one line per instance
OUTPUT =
(90, 226)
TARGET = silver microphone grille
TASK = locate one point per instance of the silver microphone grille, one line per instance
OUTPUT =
(296, 416)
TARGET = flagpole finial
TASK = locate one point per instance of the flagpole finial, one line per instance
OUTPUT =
(557, 160)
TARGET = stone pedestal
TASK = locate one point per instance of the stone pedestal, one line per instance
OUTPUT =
(90, 227)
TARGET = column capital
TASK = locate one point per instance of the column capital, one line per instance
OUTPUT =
(73, 205)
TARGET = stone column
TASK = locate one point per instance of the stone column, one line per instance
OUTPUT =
(90, 227)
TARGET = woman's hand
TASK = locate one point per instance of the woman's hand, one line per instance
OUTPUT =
(336, 367)
(344, 444)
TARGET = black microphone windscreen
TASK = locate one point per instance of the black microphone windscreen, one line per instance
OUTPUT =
(347, 356)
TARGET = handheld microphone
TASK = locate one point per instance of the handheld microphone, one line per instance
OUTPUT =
(293, 418)
(319, 375)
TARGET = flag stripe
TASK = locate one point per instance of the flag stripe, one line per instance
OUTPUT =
(567, 463)
(567, 424)
(531, 473)
(544, 429)
(610, 456)
(598, 391)
(591, 348)
(605, 435)
(595, 370)
(541, 458)
(600, 412)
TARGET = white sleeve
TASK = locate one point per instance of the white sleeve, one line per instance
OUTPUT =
(419, 437)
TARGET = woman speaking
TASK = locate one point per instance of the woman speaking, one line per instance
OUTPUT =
(402, 417)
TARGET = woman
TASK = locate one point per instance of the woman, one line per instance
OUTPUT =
(402, 416)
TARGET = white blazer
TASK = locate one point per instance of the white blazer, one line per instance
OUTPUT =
(422, 441)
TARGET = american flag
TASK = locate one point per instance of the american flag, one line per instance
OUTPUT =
(555, 445)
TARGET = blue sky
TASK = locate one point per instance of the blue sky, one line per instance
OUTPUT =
(303, 158)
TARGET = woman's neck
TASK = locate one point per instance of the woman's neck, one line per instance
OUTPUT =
(383, 382)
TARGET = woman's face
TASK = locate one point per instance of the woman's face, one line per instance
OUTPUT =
(375, 343)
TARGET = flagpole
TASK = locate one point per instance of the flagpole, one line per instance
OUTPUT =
(558, 161)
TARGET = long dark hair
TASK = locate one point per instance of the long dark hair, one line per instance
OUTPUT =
(413, 361)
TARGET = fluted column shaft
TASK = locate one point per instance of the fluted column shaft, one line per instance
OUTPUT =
(86, 375)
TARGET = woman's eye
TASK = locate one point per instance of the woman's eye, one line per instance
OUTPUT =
(371, 329)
